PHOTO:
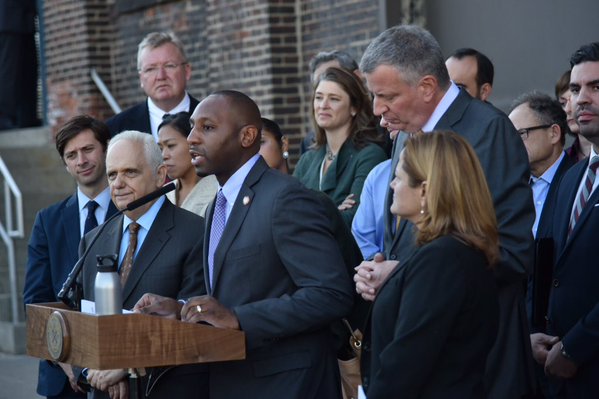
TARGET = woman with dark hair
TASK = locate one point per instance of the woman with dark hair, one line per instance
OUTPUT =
(435, 318)
(274, 146)
(346, 140)
(193, 193)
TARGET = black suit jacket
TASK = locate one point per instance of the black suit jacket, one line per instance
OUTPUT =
(432, 325)
(573, 312)
(278, 267)
(137, 118)
(505, 163)
(539, 282)
(52, 252)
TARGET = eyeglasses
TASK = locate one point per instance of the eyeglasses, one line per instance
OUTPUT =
(169, 67)
(525, 131)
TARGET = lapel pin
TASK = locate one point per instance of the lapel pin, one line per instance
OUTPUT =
(246, 200)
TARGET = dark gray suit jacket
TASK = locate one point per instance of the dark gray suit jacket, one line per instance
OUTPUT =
(169, 263)
(278, 267)
(505, 163)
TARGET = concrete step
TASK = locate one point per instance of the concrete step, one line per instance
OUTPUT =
(38, 171)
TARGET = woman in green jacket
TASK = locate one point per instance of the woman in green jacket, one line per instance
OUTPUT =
(346, 147)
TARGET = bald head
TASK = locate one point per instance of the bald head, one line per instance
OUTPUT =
(225, 133)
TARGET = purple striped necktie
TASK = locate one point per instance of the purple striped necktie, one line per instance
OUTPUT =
(216, 230)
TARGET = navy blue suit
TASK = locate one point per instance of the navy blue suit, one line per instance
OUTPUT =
(573, 312)
(540, 281)
(137, 118)
(52, 252)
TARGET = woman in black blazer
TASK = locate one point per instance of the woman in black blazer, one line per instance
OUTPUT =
(435, 318)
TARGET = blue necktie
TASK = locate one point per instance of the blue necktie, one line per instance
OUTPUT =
(216, 230)
(90, 221)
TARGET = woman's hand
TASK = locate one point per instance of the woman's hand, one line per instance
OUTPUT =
(348, 203)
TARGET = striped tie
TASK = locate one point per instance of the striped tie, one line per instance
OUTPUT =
(585, 193)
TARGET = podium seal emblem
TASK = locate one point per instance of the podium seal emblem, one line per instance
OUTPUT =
(57, 337)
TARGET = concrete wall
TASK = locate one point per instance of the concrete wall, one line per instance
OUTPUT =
(529, 42)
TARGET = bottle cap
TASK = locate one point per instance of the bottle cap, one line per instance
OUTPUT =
(107, 263)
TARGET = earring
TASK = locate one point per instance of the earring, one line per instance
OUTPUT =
(285, 155)
(422, 209)
(353, 114)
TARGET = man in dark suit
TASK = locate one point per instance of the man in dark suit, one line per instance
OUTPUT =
(55, 236)
(541, 123)
(405, 71)
(571, 345)
(163, 74)
(159, 249)
(271, 265)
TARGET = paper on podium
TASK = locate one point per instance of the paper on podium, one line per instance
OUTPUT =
(89, 307)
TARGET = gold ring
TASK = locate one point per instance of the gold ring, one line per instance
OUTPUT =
(199, 308)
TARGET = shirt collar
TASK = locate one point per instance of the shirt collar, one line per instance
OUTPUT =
(233, 185)
(147, 218)
(450, 95)
(156, 111)
(103, 199)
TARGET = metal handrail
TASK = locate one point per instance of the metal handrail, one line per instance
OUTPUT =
(11, 189)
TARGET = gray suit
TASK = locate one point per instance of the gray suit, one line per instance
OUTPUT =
(503, 158)
(169, 263)
(279, 269)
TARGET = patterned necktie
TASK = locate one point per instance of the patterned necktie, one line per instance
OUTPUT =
(585, 193)
(128, 259)
(90, 221)
(216, 230)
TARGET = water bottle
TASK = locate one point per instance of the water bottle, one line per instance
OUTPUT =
(107, 289)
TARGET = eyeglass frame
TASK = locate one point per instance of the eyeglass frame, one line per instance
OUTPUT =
(526, 130)
(169, 67)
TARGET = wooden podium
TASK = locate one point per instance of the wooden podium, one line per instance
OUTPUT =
(125, 341)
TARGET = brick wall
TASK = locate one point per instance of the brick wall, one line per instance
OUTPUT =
(261, 47)
(77, 38)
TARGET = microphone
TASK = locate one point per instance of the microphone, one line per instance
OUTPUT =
(71, 292)
(167, 188)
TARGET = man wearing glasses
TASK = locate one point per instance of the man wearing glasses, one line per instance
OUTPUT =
(163, 75)
(541, 123)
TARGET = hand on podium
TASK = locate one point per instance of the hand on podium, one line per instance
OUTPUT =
(207, 309)
(158, 305)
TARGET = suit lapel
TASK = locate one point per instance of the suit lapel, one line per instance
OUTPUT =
(70, 223)
(390, 238)
(330, 179)
(455, 111)
(546, 219)
(157, 237)
(569, 186)
(593, 199)
(242, 205)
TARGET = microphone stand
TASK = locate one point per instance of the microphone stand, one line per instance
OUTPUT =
(72, 291)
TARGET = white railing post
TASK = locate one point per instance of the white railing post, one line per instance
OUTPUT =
(11, 190)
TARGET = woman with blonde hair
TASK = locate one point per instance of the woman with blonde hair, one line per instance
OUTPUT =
(434, 320)
(346, 146)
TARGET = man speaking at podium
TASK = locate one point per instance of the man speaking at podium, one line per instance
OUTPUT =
(271, 265)
(159, 249)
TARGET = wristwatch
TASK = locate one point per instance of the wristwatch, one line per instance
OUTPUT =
(563, 351)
